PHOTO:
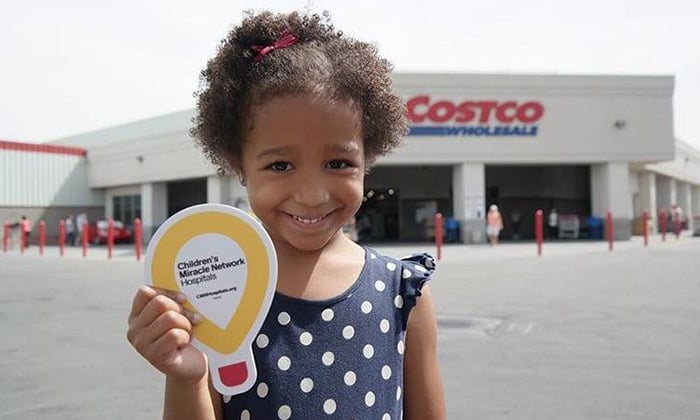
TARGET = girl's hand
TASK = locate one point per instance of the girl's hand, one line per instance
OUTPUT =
(159, 329)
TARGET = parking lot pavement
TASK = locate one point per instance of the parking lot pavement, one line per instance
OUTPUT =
(581, 333)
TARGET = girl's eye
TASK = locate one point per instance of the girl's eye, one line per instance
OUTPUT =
(339, 164)
(280, 166)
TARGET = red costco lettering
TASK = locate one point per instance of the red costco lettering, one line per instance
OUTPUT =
(420, 109)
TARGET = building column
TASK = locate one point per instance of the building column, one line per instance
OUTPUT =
(218, 189)
(684, 198)
(647, 195)
(610, 191)
(695, 205)
(154, 207)
(469, 204)
(665, 193)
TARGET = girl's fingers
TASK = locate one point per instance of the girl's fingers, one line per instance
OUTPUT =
(142, 297)
(165, 322)
(168, 343)
(176, 296)
(153, 309)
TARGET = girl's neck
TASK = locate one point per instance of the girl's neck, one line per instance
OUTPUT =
(319, 274)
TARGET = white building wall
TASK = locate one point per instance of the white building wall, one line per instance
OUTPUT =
(695, 204)
(610, 191)
(469, 195)
(34, 179)
(154, 207)
(167, 157)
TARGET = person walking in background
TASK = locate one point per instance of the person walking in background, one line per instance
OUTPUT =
(515, 218)
(25, 229)
(70, 230)
(494, 224)
(553, 224)
(80, 221)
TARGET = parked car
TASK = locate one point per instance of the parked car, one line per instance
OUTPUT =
(97, 232)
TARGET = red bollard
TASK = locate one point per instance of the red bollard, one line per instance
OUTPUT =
(110, 238)
(5, 235)
(609, 231)
(42, 236)
(85, 239)
(138, 241)
(645, 227)
(663, 220)
(61, 236)
(438, 234)
(539, 231)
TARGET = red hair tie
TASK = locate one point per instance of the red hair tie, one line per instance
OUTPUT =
(287, 39)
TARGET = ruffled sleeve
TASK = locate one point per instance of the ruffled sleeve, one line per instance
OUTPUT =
(415, 271)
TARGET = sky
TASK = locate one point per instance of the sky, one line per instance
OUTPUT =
(72, 66)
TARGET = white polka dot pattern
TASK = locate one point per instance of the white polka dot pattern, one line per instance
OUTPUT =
(226, 398)
(306, 385)
(329, 406)
(384, 326)
(386, 372)
(297, 346)
(306, 338)
(284, 412)
(369, 399)
(283, 318)
(328, 358)
(327, 315)
(348, 332)
(284, 363)
(262, 341)
(350, 378)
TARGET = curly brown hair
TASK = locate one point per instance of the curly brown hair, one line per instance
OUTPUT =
(323, 61)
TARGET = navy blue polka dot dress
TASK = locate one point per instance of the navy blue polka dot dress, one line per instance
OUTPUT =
(338, 358)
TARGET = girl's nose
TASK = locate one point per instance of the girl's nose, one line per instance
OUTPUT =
(312, 191)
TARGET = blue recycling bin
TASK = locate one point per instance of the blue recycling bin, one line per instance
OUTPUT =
(595, 227)
(452, 230)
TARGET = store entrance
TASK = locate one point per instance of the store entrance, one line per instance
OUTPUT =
(378, 218)
(520, 190)
(183, 194)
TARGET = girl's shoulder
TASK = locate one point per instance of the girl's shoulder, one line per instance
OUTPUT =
(407, 275)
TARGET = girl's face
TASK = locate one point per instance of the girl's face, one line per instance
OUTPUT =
(304, 165)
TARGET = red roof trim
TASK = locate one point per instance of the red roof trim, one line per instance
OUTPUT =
(42, 148)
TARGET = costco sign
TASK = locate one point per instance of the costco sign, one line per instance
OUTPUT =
(430, 117)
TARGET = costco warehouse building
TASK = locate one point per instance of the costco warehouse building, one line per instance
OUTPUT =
(581, 144)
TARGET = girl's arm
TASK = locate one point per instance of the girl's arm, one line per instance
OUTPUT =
(423, 395)
(200, 401)
(159, 330)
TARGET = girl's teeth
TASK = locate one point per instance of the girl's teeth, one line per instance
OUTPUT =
(308, 221)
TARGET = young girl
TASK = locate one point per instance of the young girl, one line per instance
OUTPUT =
(299, 112)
